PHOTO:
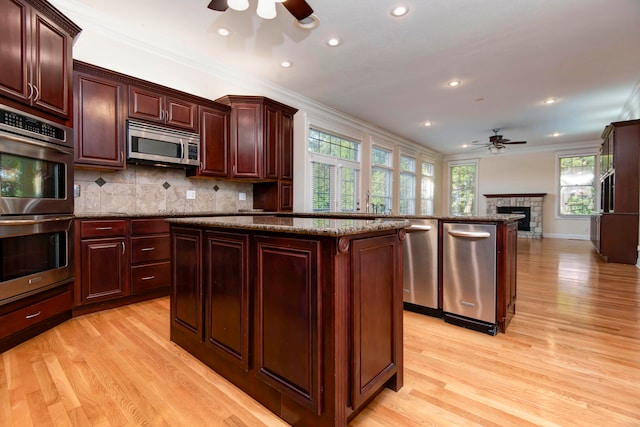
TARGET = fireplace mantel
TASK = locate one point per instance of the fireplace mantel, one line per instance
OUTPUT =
(493, 196)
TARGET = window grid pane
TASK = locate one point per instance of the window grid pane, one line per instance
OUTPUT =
(331, 145)
(577, 191)
(321, 187)
(407, 185)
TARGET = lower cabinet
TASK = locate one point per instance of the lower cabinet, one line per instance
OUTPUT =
(119, 261)
(310, 326)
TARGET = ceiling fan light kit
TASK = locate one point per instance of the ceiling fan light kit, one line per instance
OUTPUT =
(497, 143)
(266, 9)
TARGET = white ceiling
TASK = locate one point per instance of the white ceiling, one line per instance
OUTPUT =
(392, 72)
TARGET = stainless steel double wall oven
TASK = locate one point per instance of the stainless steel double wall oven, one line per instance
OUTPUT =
(36, 204)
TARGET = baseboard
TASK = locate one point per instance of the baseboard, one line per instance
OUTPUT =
(565, 236)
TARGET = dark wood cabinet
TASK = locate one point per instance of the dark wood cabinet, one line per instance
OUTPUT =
(119, 261)
(100, 118)
(261, 145)
(103, 260)
(614, 231)
(214, 142)
(308, 325)
(37, 66)
(150, 255)
(162, 108)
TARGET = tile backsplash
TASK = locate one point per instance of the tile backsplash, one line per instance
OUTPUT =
(147, 189)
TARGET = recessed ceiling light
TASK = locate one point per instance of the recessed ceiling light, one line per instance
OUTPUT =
(334, 41)
(555, 134)
(465, 145)
(399, 11)
(428, 123)
(224, 31)
(286, 64)
(454, 83)
(550, 101)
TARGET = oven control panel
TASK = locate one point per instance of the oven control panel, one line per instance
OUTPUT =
(26, 124)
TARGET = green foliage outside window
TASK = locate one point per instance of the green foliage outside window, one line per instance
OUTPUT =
(463, 189)
(577, 192)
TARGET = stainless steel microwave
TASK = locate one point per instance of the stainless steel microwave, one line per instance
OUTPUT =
(161, 146)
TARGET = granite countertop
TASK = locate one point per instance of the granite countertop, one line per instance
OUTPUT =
(294, 224)
(333, 215)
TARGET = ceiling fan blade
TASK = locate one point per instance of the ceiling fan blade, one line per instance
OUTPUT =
(300, 9)
(219, 5)
(513, 142)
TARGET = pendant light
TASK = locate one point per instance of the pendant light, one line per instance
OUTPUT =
(239, 5)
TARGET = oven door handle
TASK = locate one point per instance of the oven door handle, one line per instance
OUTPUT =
(36, 143)
(34, 221)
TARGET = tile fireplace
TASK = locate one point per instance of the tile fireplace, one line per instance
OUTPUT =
(529, 204)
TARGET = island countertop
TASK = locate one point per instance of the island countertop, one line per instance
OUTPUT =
(322, 226)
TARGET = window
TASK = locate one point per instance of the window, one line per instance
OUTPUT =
(381, 179)
(427, 186)
(335, 168)
(407, 185)
(577, 191)
(462, 189)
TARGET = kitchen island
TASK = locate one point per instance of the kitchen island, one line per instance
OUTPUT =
(303, 314)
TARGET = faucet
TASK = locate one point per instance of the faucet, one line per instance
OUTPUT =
(367, 202)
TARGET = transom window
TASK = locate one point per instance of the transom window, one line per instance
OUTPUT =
(335, 172)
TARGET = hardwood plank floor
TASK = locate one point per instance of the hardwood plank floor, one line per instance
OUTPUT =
(571, 357)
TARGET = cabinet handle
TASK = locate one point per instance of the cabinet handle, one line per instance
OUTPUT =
(30, 86)
(37, 94)
(122, 243)
(103, 228)
(148, 278)
(147, 249)
(31, 316)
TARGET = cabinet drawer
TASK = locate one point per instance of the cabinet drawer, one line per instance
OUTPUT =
(102, 228)
(35, 313)
(146, 249)
(150, 276)
(149, 226)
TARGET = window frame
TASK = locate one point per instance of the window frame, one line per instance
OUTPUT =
(432, 178)
(414, 175)
(558, 182)
(390, 170)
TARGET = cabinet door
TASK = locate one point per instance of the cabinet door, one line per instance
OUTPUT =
(147, 105)
(272, 142)
(103, 269)
(285, 196)
(286, 147)
(14, 27)
(51, 70)
(288, 338)
(377, 313)
(214, 139)
(246, 141)
(180, 113)
(100, 122)
(186, 282)
(227, 288)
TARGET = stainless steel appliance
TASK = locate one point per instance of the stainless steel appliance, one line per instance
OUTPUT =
(420, 264)
(36, 165)
(35, 254)
(36, 204)
(161, 146)
(469, 275)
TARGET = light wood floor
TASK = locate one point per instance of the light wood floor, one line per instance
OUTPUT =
(571, 357)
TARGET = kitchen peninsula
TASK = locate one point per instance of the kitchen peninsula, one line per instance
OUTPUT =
(303, 314)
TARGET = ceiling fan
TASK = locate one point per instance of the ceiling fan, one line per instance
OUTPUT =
(497, 143)
(300, 9)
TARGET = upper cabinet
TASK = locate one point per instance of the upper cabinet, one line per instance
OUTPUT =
(163, 108)
(261, 139)
(100, 118)
(214, 142)
(38, 72)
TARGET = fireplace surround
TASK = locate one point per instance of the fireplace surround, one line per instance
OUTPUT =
(533, 201)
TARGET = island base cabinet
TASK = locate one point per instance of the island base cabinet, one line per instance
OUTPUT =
(309, 326)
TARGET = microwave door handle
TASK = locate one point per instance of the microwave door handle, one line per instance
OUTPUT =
(182, 148)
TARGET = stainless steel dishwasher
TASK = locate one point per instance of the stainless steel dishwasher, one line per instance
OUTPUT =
(469, 276)
(420, 267)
